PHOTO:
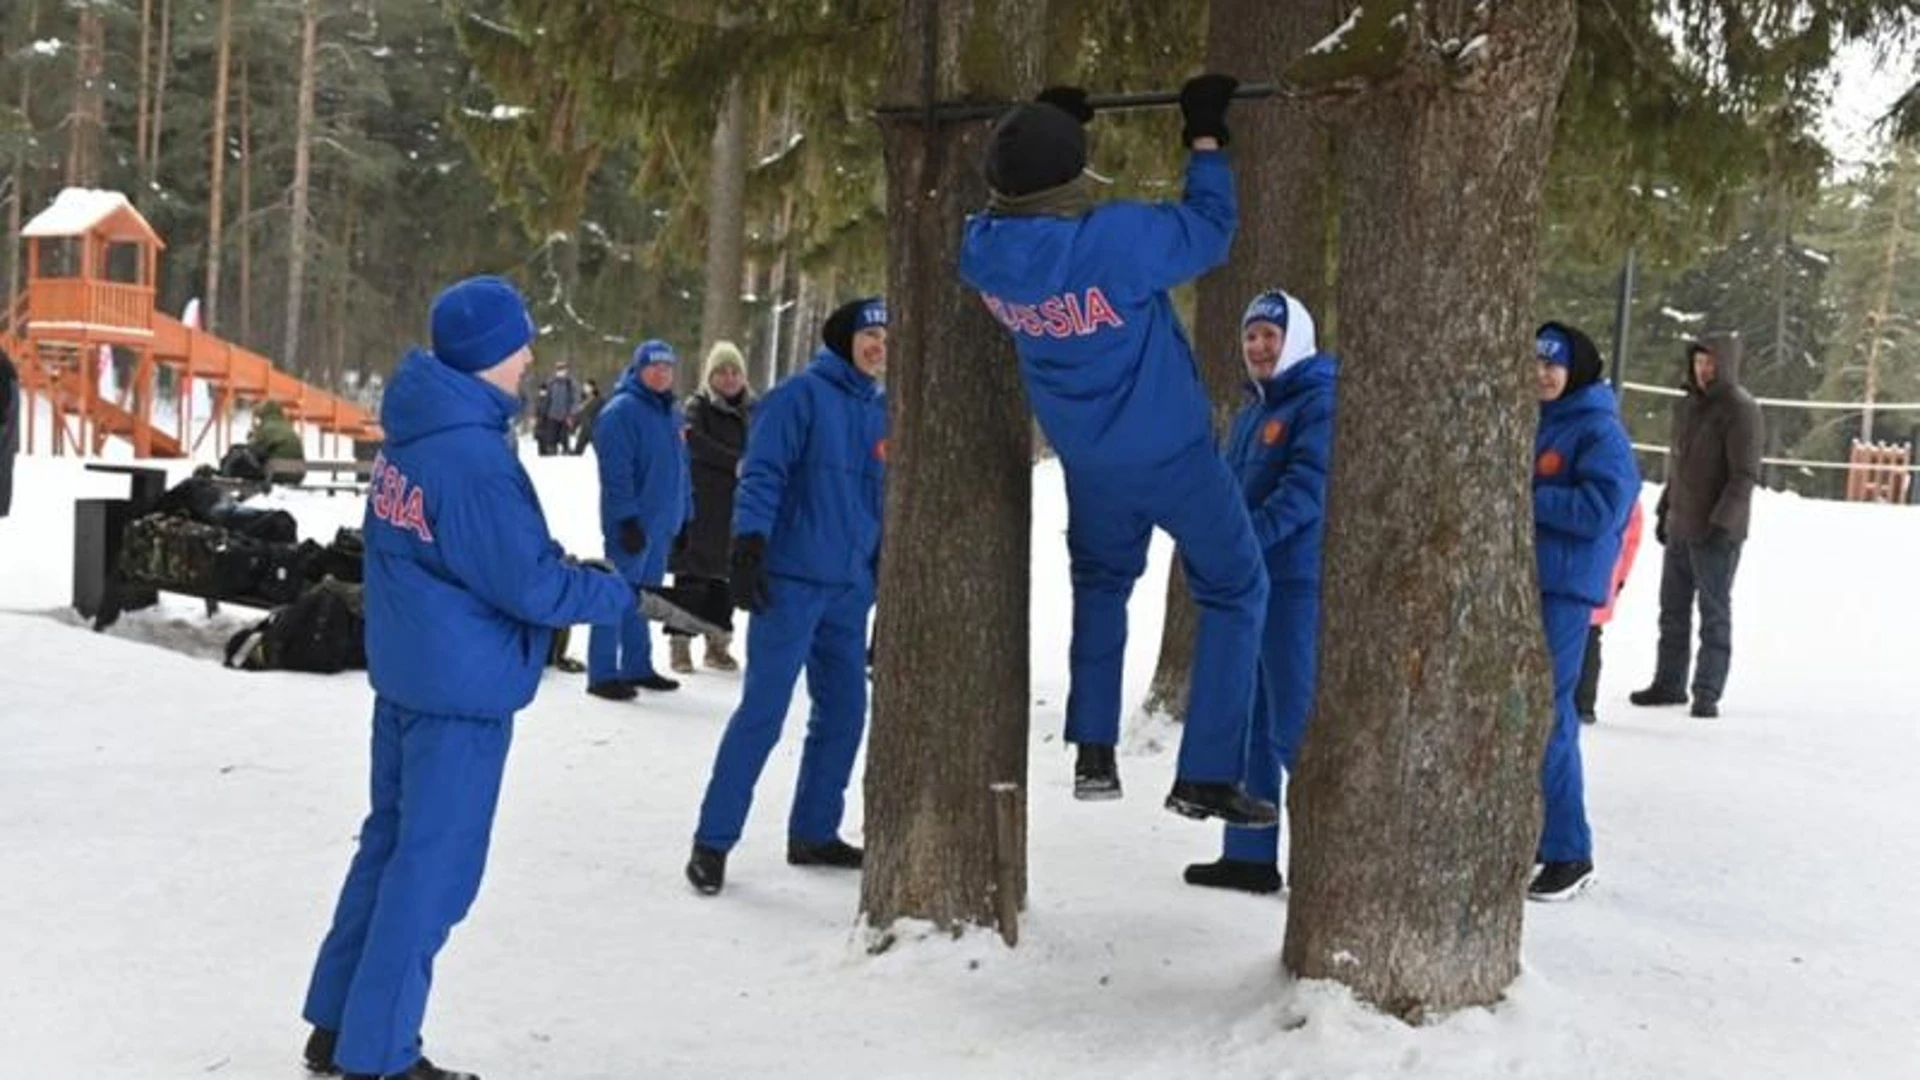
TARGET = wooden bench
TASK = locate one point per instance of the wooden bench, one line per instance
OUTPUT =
(302, 474)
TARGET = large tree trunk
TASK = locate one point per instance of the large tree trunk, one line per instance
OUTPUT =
(163, 65)
(244, 224)
(765, 360)
(726, 231)
(1883, 303)
(21, 192)
(217, 170)
(1416, 806)
(1282, 159)
(87, 121)
(950, 690)
(297, 223)
(140, 91)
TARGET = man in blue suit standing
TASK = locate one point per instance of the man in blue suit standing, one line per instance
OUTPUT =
(646, 494)
(1584, 485)
(806, 528)
(1113, 381)
(463, 586)
(1279, 449)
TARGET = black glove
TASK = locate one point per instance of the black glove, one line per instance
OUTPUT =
(1069, 99)
(1660, 528)
(633, 539)
(747, 579)
(1719, 537)
(1203, 104)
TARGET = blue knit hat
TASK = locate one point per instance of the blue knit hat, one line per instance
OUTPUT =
(479, 322)
(1267, 307)
(1552, 345)
(654, 351)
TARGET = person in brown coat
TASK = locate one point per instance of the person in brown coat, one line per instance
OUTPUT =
(1712, 465)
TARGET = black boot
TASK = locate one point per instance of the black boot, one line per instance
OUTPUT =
(1560, 881)
(1228, 802)
(835, 853)
(1096, 776)
(419, 1070)
(613, 690)
(1658, 695)
(319, 1053)
(707, 870)
(1706, 710)
(657, 682)
(1242, 874)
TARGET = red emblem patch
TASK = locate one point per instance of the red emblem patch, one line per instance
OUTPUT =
(1271, 434)
(880, 451)
(1550, 464)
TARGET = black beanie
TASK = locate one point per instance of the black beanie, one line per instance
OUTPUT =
(849, 319)
(1586, 367)
(1035, 147)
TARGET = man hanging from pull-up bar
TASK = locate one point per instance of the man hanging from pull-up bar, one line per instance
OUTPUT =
(1114, 384)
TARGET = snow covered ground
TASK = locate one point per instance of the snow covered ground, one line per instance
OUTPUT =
(172, 833)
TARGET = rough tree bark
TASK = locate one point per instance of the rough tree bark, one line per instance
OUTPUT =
(1416, 806)
(297, 223)
(217, 165)
(140, 91)
(22, 190)
(1282, 163)
(163, 66)
(87, 122)
(950, 689)
(726, 232)
(243, 224)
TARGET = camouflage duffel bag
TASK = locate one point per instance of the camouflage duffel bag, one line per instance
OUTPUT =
(176, 553)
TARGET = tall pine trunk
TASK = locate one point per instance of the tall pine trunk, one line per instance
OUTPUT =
(22, 191)
(297, 223)
(217, 170)
(950, 689)
(1282, 160)
(140, 98)
(1883, 303)
(726, 230)
(87, 121)
(1416, 806)
(244, 225)
(163, 66)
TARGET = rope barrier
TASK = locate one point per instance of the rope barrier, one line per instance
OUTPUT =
(1794, 463)
(1785, 403)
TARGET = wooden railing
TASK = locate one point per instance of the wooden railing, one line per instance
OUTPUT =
(101, 303)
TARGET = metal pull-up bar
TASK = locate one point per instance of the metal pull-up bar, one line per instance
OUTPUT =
(958, 111)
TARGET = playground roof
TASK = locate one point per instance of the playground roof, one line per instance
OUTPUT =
(86, 212)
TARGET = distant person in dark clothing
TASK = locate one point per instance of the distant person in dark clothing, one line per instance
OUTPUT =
(584, 416)
(1713, 464)
(10, 417)
(717, 416)
(554, 413)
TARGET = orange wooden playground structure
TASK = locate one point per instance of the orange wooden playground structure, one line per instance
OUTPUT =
(92, 261)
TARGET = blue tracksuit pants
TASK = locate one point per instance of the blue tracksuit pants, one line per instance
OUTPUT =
(824, 629)
(1111, 515)
(423, 847)
(1282, 700)
(1565, 836)
(625, 652)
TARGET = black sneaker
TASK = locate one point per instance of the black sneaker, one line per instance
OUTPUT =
(419, 1070)
(1096, 776)
(1228, 802)
(1242, 874)
(707, 870)
(1658, 695)
(835, 853)
(1589, 718)
(1706, 710)
(1560, 881)
(657, 682)
(319, 1052)
(613, 690)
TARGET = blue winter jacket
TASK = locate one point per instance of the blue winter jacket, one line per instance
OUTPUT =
(1584, 485)
(1279, 447)
(1107, 365)
(640, 445)
(463, 580)
(814, 474)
